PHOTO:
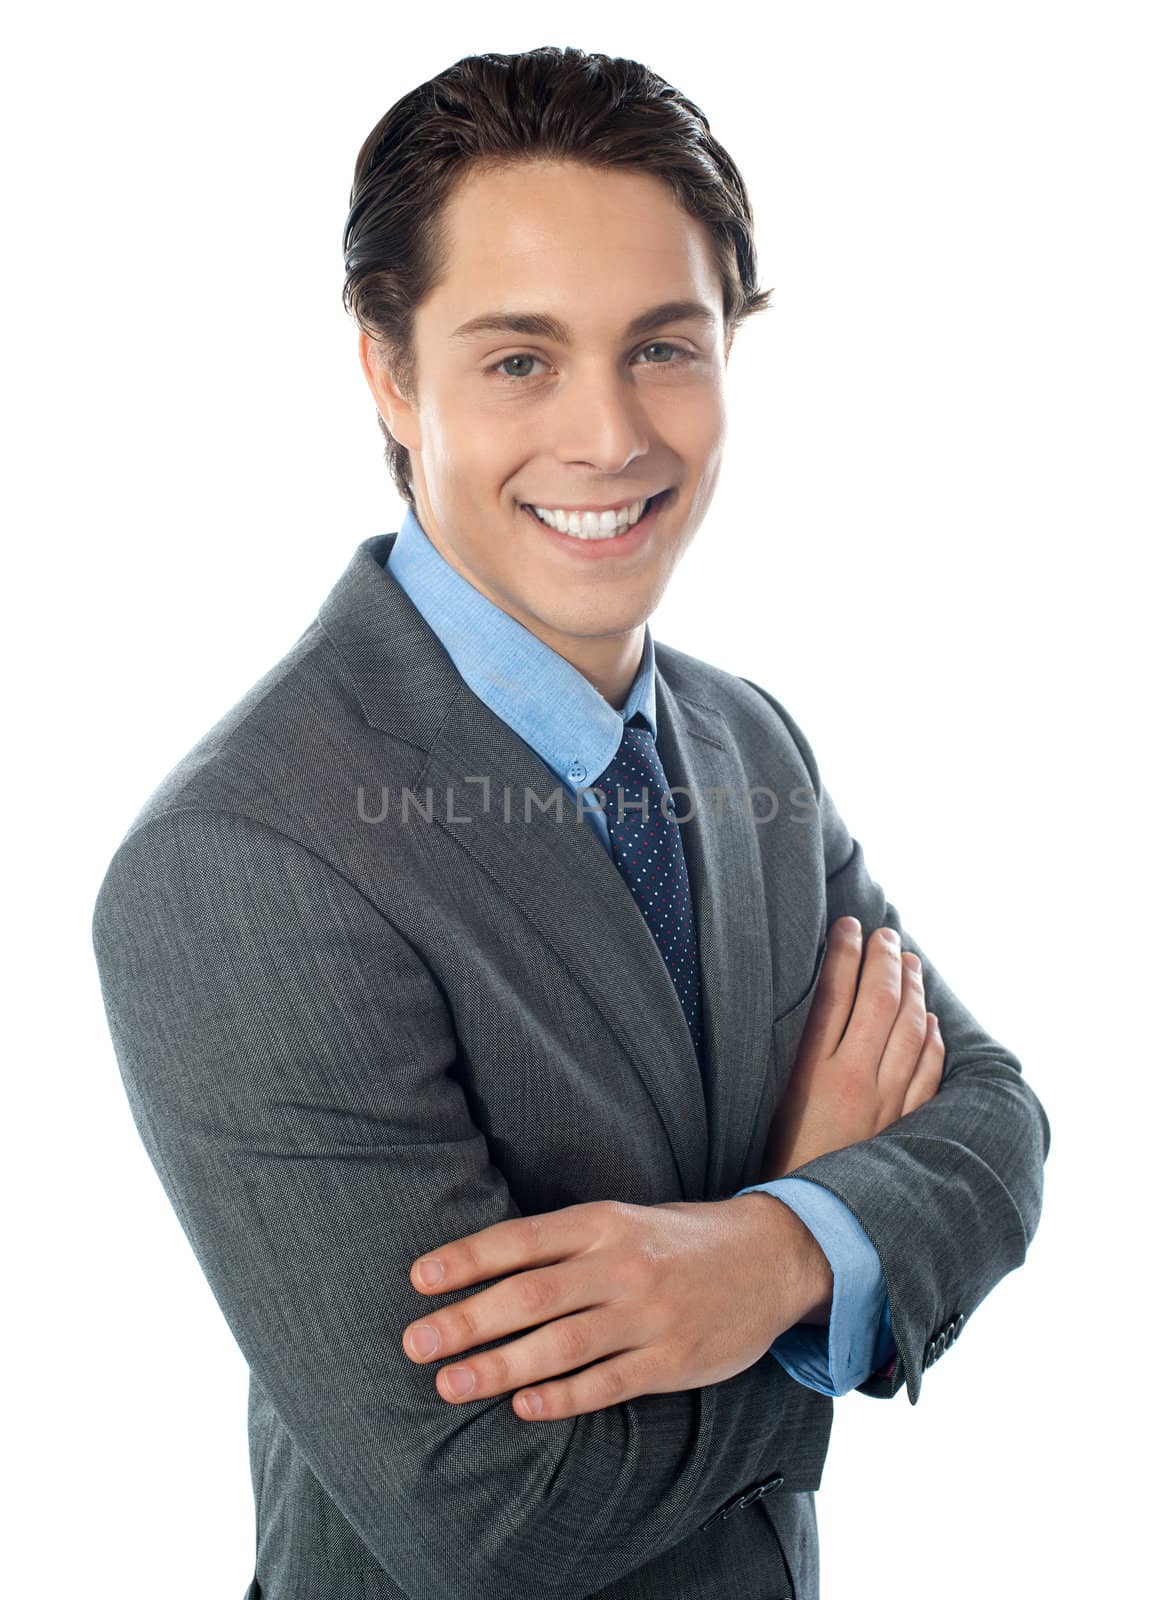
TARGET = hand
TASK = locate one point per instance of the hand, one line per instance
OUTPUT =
(644, 1299)
(855, 1074)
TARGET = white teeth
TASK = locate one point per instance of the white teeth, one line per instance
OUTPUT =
(592, 524)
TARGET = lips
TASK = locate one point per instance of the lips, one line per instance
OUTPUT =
(650, 503)
(617, 546)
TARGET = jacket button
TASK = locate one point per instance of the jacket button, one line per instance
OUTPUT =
(720, 1515)
(960, 1323)
(771, 1483)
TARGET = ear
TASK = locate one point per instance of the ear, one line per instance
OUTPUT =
(395, 411)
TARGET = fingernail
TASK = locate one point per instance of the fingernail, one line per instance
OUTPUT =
(532, 1404)
(911, 960)
(431, 1270)
(891, 935)
(460, 1380)
(424, 1340)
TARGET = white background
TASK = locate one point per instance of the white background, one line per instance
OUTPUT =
(937, 539)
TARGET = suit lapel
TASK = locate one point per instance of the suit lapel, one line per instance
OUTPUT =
(475, 781)
(734, 949)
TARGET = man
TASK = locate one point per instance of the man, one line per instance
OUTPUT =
(487, 934)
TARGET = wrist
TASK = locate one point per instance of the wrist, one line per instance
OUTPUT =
(807, 1282)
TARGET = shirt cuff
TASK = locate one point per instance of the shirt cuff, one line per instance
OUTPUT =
(858, 1338)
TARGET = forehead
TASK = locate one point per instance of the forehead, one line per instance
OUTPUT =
(563, 237)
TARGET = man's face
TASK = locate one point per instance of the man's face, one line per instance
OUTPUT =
(591, 416)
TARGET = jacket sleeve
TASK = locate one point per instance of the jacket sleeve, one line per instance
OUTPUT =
(834, 1359)
(950, 1195)
(293, 1069)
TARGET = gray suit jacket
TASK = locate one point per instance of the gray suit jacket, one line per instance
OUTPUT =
(347, 1038)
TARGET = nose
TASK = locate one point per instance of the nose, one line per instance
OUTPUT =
(599, 421)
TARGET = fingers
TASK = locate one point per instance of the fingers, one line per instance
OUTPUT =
(877, 1000)
(835, 991)
(548, 1352)
(522, 1300)
(926, 1080)
(539, 1301)
(511, 1245)
(907, 1036)
(914, 1054)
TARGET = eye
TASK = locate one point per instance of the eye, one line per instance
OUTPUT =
(662, 344)
(657, 344)
(513, 376)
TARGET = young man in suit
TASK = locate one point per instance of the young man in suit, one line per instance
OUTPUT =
(416, 964)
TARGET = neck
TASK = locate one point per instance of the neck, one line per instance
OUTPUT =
(610, 664)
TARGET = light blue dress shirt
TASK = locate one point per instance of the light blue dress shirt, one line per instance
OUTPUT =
(573, 729)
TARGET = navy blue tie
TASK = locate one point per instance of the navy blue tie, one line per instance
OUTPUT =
(646, 844)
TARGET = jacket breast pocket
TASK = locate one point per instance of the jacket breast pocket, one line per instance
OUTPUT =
(786, 1032)
(787, 1027)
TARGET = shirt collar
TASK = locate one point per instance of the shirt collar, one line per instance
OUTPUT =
(548, 702)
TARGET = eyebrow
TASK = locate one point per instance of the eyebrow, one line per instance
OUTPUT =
(538, 325)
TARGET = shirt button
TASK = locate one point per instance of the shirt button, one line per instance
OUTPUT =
(576, 771)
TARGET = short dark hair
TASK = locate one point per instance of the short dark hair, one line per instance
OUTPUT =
(489, 111)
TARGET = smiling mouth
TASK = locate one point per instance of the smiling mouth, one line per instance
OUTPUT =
(591, 527)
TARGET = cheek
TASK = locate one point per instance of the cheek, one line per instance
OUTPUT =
(693, 424)
(456, 431)
(709, 421)
(486, 450)
(706, 441)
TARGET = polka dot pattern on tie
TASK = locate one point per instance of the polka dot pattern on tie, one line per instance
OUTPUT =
(646, 845)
